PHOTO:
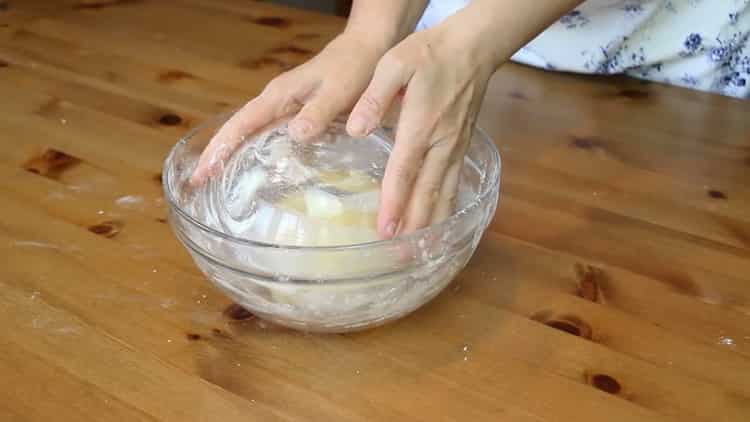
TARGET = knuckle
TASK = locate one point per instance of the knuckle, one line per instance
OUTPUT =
(310, 112)
(276, 88)
(339, 94)
(370, 105)
(319, 106)
(290, 105)
(419, 48)
(392, 60)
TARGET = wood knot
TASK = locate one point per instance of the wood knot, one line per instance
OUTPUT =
(633, 94)
(566, 323)
(589, 282)
(565, 326)
(307, 36)
(717, 194)
(174, 75)
(585, 142)
(283, 57)
(193, 336)
(50, 163)
(108, 229)
(291, 49)
(52, 108)
(263, 62)
(161, 220)
(237, 312)
(273, 21)
(3, 63)
(605, 383)
(680, 282)
(101, 4)
(220, 333)
(170, 119)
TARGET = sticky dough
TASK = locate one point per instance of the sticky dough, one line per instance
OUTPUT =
(315, 217)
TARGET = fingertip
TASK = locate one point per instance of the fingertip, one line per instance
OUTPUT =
(199, 173)
(388, 229)
(358, 126)
(395, 190)
(389, 222)
(212, 157)
(304, 129)
(299, 129)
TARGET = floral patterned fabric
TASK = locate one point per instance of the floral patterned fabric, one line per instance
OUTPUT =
(699, 44)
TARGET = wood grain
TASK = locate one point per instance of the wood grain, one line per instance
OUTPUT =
(613, 283)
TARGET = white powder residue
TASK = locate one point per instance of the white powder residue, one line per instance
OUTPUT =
(35, 244)
(129, 200)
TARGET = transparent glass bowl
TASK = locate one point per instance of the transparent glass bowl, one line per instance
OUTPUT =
(368, 284)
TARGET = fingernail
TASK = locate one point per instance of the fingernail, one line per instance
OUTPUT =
(390, 229)
(357, 126)
(300, 129)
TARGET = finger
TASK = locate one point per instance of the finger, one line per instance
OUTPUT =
(427, 187)
(446, 203)
(279, 99)
(254, 114)
(390, 120)
(319, 111)
(390, 77)
(405, 162)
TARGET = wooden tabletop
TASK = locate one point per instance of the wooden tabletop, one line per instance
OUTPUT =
(613, 284)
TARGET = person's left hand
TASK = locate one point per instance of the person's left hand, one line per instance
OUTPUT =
(443, 75)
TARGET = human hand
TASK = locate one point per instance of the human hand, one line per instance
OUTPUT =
(443, 78)
(316, 91)
(443, 73)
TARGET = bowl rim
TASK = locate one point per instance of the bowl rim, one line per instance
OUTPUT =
(405, 238)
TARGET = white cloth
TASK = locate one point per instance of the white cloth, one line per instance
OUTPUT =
(700, 44)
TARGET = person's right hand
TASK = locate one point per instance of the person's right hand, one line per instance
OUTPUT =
(317, 91)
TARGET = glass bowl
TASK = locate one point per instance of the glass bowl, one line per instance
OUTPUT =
(354, 286)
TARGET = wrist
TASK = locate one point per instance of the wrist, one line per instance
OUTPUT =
(495, 29)
(383, 23)
(471, 40)
(377, 44)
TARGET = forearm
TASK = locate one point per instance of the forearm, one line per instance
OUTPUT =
(385, 22)
(499, 28)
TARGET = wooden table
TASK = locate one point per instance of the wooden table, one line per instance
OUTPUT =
(614, 283)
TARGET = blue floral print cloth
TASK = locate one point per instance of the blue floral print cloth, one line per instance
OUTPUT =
(699, 44)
